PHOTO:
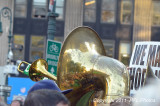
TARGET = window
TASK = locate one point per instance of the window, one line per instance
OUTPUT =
(109, 46)
(125, 52)
(59, 9)
(108, 8)
(37, 48)
(126, 10)
(90, 11)
(156, 13)
(39, 9)
(20, 8)
(18, 51)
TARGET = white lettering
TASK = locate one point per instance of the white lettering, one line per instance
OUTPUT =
(52, 57)
(54, 63)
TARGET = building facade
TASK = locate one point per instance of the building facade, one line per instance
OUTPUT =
(116, 22)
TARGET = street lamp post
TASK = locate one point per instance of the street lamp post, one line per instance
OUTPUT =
(52, 20)
(6, 12)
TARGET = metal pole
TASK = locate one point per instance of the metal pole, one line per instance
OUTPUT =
(7, 13)
(0, 24)
(52, 20)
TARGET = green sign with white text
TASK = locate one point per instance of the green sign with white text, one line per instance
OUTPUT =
(52, 55)
(26, 71)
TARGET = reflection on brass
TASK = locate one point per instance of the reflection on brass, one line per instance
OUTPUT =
(39, 70)
(84, 67)
(20, 66)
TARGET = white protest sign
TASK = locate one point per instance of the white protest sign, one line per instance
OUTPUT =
(144, 54)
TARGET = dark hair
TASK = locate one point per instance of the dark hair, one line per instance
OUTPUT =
(45, 97)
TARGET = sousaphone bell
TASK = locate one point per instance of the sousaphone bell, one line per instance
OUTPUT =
(84, 67)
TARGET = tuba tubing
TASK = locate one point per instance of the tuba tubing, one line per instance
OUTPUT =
(39, 70)
(20, 66)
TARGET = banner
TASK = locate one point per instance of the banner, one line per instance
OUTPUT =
(20, 87)
(144, 54)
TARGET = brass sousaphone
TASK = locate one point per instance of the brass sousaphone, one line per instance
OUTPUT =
(84, 67)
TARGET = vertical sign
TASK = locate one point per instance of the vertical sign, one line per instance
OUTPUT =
(52, 55)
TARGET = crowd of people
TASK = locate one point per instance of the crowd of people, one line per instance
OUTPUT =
(47, 93)
(43, 93)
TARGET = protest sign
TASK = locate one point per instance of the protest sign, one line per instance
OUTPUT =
(144, 54)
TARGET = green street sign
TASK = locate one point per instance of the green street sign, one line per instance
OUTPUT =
(26, 71)
(52, 55)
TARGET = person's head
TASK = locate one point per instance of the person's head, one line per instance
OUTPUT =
(46, 97)
(47, 84)
(16, 103)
